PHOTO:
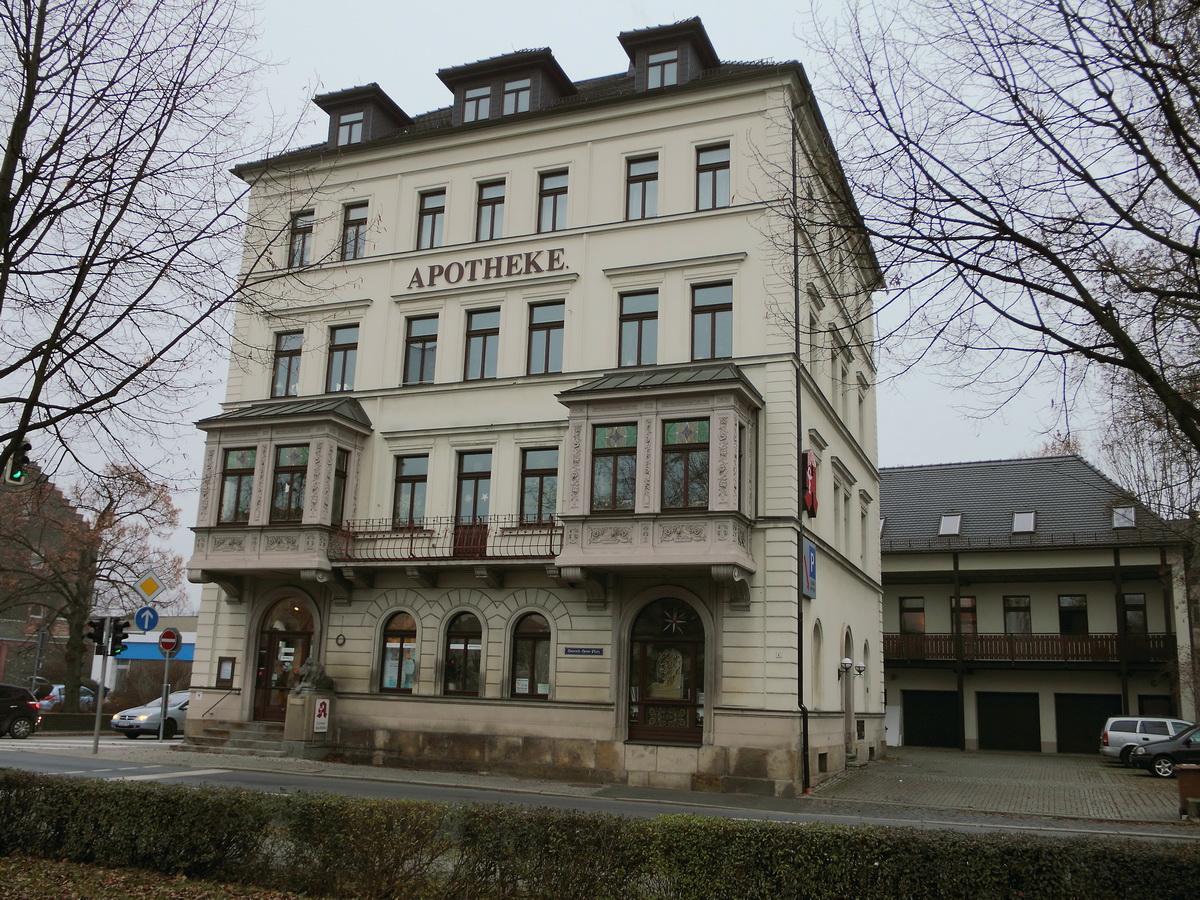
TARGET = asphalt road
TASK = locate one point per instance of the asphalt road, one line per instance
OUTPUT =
(150, 760)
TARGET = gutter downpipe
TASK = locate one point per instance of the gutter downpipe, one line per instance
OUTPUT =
(805, 774)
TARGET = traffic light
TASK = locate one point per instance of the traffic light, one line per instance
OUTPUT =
(116, 641)
(95, 633)
(18, 462)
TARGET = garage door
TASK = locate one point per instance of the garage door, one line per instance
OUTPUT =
(1008, 721)
(931, 719)
(1079, 719)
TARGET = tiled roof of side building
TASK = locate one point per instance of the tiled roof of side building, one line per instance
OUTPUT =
(1073, 503)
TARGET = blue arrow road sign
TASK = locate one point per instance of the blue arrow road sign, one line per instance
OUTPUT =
(146, 618)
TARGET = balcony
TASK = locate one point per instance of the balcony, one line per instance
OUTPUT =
(445, 538)
(1014, 648)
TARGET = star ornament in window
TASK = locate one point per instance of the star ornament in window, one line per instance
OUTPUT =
(675, 620)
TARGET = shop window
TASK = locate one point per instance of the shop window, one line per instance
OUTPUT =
(237, 482)
(398, 666)
(666, 673)
(614, 467)
(285, 372)
(291, 478)
(685, 465)
(464, 647)
(531, 659)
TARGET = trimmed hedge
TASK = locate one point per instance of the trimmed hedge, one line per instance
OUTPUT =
(324, 845)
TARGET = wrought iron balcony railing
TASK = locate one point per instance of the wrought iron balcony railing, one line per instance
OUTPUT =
(1032, 647)
(445, 537)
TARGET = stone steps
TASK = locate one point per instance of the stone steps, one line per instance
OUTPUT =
(239, 739)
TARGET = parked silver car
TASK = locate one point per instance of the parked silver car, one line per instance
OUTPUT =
(145, 719)
(1122, 734)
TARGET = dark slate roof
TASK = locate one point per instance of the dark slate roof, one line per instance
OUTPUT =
(1072, 500)
(607, 88)
(664, 377)
(334, 407)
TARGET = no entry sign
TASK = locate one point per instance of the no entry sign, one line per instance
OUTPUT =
(170, 642)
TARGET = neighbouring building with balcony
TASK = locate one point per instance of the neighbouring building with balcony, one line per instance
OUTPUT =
(1026, 601)
(514, 450)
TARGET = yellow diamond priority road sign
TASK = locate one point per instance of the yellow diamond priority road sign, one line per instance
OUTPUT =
(149, 585)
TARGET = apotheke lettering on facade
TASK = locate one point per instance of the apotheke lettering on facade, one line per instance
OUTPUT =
(489, 267)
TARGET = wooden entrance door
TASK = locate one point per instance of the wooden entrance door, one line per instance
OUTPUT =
(280, 654)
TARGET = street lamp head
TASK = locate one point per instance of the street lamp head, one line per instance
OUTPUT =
(844, 666)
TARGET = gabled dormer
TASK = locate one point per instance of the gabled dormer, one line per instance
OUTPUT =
(505, 85)
(669, 54)
(361, 114)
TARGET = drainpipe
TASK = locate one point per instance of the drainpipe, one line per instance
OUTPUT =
(805, 774)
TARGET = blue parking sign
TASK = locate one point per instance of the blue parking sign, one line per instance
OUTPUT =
(809, 568)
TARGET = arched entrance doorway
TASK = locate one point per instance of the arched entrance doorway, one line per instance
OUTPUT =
(666, 673)
(283, 645)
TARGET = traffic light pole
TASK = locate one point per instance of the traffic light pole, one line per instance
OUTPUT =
(108, 624)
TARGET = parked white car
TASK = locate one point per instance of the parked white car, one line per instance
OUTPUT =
(145, 719)
(58, 692)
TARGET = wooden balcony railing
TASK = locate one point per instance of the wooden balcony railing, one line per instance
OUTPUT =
(445, 537)
(1032, 647)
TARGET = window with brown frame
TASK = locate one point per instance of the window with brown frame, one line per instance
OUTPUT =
(662, 69)
(912, 615)
(483, 344)
(477, 104)
(489, 221)
(408, 503)
(343, 356)
(516, 96)
(552, 201)
(546, 337)
(354, 231)
(300, 241)
(531, 658)
(350, 128)
(341, 472)
(539, 484)
(1135, 613)
(641, 188)
(464, 647)
(638, 340)
(1016, 615)
(431, 220)
(237, 482)
(420, 350)
(685, 465)
(290, 480)
(285, 376)
(614, 467)
(967, 616)
(398, 662)
(712, 321)
(712, 177)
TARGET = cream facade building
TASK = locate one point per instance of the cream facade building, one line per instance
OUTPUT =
(1025, 602)
(515, 449)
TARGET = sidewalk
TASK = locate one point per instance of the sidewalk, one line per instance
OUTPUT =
(954, 783)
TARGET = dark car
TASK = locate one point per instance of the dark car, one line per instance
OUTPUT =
(1161, 757)
(19, 713)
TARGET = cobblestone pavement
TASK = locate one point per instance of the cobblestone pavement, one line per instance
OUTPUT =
(1034, 784)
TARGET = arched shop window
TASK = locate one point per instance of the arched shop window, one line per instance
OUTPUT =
(666, 673)
(464, 644)
(398, 667)
(531, 658)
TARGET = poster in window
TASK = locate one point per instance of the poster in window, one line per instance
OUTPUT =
(408, 666)
(522, 686)
(391, 665)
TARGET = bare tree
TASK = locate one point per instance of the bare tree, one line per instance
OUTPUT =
(79, 556)
(1028, 172)
(120, 226)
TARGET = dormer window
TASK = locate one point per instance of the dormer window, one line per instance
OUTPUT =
(350, 128)
(516, 96)
(950, 525)
(477, 104)
(662, 69)
(1124, 517)
(1024, 522)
